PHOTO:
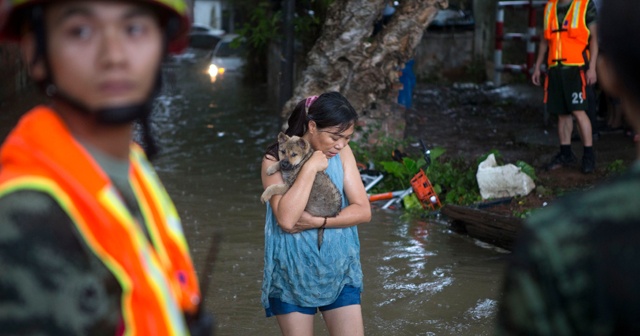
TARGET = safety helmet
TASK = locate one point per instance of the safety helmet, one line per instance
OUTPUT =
(179, 21)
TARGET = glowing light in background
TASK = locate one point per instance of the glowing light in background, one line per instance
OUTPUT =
(214, 71)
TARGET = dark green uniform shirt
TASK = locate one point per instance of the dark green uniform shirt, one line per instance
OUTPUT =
(576, 267)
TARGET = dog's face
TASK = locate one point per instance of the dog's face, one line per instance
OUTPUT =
(292, 150)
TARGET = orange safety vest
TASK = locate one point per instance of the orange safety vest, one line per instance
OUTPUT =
(156, 275)
(566, 43)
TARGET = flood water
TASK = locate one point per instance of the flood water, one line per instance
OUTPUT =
(420, 278)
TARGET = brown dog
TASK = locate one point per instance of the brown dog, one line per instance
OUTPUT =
(325, 199)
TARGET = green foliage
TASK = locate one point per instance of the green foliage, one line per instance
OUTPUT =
(454, 181)
(411, 202)
(616, 167)
(495, 153)
(405, 170)
(306, 25)
(375, 154)
(524, 209)
(436, 153)
(527, 169)
(523, 214)
(262, 26)
(308, 22)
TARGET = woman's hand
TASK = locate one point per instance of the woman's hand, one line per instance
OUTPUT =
(306, 222)
(289, 208)
(318, 161)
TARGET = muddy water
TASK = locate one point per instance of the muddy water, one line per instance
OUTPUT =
(420, 278)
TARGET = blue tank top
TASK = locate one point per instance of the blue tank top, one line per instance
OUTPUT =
(296, 272)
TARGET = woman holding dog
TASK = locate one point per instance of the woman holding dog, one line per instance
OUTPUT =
(299, 278)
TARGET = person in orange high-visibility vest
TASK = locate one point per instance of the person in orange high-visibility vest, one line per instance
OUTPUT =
(569, 44)
(90, 241)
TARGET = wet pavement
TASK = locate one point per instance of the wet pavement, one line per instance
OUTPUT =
(471, 120)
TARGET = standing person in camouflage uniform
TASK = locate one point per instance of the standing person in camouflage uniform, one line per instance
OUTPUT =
(90, 242)
(575, 269)
(570, 45)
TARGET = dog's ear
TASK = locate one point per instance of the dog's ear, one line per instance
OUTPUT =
(282, 137)
(303, 143)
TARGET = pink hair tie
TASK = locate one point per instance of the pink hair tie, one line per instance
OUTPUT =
(308, 103)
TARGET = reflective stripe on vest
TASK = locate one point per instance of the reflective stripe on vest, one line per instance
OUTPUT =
(568, 41)
(157, 277)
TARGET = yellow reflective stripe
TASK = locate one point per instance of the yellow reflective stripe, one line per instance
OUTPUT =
(576, 12)
(172, 313)
(160, 196)
(559, 48)
(567, 64)
(109, 198)
(53, 189)
(547, 17)
(150, 223)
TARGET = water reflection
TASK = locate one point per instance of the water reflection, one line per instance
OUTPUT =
(422, 279)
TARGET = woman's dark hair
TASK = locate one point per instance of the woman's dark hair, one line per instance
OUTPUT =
(330, 109)
(618, 34)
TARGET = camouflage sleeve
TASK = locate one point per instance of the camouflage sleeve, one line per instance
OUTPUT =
(547, 286)
(574, 270)
(539, 296)
(592, 13)
(51, 283)
(523, 304)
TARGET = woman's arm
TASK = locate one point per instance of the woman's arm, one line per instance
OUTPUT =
(359, 209)
(288, 208)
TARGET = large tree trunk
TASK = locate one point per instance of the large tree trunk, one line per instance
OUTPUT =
(346, 59)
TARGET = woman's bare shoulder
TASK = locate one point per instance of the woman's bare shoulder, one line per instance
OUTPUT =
(268, 158)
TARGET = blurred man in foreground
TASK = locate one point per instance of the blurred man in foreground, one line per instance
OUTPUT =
(90, 242)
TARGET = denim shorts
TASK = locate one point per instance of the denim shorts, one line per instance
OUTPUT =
(349, 296)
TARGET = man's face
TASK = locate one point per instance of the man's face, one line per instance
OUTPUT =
(103, 53)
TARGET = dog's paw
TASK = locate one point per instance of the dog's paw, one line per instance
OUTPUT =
(272, 170)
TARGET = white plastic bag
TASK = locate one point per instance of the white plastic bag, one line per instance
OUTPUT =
(502, 181)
